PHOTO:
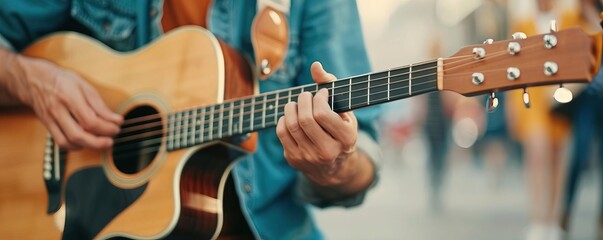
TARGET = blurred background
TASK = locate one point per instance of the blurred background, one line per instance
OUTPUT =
(453, 171)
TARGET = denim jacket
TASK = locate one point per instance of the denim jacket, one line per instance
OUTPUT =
(274, 196)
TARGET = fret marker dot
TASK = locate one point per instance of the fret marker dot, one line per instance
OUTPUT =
(270, 107)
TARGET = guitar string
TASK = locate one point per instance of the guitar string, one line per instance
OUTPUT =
(210, 128)
(253, 127)
(348, 85)
(133, 120)
(159, 137)
(233, 107)
(231, 101)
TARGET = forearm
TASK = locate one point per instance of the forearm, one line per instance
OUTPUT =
(7, 61)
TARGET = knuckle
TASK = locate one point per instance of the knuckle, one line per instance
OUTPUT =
(327, 155)
(293, 126)
(62, 142)
(88, 122)
(319, 115)
(281, 132)
(306, 120)
(292, 158)
(76, 137)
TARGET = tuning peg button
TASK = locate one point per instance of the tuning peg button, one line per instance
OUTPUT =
(513, 48)
(489, 41)
(477, 78)
(526, 98)
(513, 73)
(550, 68)
(553, 26)
(492, 103)
(563, 95)
(550, 41)
(479, 53)
(519, 35)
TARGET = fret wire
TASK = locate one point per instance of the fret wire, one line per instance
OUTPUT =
(410, 79)
(276, 99)
(332, 95)
(202, 124)
(197, 126)
(368, 90)
(388, 82)
(264, 111)
(193, 123)
(252, 112)
(241, 112)
(230, 119)
(350, 93)
(220, 119)
(170, 134)
(178, 119)
(211, 123)
(185, 134)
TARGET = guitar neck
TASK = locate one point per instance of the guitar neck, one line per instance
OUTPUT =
(241, 116)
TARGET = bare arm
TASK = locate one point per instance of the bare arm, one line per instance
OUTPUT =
(68, 106)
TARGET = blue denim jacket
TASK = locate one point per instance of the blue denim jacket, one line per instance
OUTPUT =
(274, 195)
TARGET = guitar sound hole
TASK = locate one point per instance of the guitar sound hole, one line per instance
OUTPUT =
(139, 140)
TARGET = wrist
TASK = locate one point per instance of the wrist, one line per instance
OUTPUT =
(355, 175)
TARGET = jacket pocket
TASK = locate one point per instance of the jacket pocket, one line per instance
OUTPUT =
(110, 21)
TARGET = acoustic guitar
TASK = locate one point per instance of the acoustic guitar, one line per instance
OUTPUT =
(191, 106)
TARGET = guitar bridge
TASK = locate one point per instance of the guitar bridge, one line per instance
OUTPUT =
(54, 163)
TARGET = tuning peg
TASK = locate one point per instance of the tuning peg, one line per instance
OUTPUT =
(492, 102)
(489, 41)
(526, 98)
(553, 26)
(519, 35)
(563, 95)
(478, 53)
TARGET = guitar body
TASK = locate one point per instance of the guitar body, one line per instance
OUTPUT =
(127, 190)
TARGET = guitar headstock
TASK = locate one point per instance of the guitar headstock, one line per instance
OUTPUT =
(567, 56)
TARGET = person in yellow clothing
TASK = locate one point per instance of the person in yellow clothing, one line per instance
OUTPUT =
(541, 133)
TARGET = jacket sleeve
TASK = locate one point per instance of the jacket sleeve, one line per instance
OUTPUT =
(331, 34)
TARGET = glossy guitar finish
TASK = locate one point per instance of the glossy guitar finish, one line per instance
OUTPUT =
(184, 69)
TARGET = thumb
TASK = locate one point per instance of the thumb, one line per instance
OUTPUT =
(319, 74)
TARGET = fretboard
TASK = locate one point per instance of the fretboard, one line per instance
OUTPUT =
(236, 117)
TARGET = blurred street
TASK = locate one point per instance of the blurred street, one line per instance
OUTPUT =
(475, 206)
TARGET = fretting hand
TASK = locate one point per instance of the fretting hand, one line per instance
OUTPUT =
(321, 143)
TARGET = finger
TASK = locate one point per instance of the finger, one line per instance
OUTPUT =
(306, 120)
(341, 130)
(290, 148)
(292, 125)
(59, 137)
(87, 118)
(95, 100)
(75, 134)
(283, 134)
(319, 74)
